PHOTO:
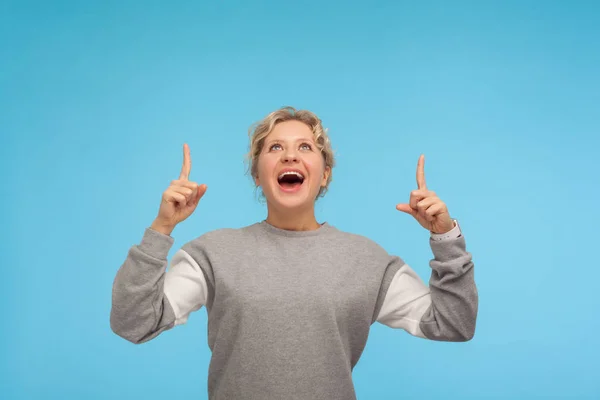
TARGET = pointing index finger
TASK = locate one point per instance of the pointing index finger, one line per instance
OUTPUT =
(187, 163)
(421, 173)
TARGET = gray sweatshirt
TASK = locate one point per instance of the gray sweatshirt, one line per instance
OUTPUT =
(289, 312)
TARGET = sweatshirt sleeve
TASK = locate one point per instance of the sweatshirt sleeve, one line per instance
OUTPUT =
(140, 310)
(446, 310)
(454, 299)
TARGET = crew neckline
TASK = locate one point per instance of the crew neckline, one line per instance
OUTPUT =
(324, 227)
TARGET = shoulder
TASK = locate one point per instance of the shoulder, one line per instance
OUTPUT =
(357, 243)
(222, 237)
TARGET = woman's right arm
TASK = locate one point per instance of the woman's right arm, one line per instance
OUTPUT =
(140, 310)
(143, 302)
(146, 300)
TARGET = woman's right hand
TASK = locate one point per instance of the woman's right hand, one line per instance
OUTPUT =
(180, 199)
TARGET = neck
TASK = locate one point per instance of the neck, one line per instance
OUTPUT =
(293, 220)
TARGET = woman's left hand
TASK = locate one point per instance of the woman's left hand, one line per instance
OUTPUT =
(425, 206)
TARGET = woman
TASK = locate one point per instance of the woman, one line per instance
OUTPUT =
(290, 300)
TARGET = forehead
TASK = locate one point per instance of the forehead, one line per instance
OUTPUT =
(290, 130)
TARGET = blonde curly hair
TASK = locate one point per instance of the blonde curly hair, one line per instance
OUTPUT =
(261, 129)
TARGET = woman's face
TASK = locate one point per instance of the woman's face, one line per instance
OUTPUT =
(290, 147)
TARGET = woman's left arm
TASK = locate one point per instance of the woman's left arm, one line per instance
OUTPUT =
(447, 309)
(454, 299)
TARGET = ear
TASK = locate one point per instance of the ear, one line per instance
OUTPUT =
(256, 181)
(326, 174)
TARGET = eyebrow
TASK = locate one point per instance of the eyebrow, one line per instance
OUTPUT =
(296, 141)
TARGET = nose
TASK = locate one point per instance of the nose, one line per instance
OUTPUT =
(289, 155)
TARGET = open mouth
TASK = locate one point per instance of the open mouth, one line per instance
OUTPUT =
(290, 180)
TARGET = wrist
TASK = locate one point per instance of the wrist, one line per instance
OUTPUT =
(447, 229)
(451, 234)
(162, 228)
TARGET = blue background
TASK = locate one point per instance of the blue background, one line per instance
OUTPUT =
(503, 98)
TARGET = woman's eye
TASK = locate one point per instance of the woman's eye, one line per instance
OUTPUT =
(305, 146)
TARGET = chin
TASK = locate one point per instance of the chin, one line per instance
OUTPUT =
(299, 200)
(292, 204)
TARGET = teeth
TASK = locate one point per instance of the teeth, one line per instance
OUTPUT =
(291, 173)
